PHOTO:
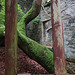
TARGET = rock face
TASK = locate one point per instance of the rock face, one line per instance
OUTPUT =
(68, 20)
(33, 30)
(25, 4)
(42, 33)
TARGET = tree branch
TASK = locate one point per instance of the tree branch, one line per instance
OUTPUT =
(33, 12)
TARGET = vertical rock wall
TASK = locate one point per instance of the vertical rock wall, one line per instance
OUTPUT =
(68, 19)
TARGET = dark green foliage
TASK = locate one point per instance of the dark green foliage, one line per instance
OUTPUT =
(70, 60)
(2, 12)
(69, 70)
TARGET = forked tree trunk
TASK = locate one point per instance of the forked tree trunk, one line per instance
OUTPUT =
(11, 37)
(58, 43)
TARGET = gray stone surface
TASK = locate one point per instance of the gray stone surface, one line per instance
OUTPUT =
(34, 30)
(68, 19)
(25, 4)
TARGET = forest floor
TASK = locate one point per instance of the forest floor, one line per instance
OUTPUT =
(25, 64)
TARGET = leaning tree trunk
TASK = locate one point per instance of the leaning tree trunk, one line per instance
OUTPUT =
(11, 37)
(36, 52)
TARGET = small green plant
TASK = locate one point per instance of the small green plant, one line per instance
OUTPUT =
(20, 10)
(2, 12)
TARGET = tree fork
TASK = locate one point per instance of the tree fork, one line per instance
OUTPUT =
(11, 37)
(58, 42)
(33, 12)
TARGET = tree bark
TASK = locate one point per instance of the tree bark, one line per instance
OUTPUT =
(33, 12)
(58, 42)
(29, 16)
(11, 37)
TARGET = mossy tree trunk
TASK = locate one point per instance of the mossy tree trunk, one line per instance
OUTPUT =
(58, 43)
(11, 37)
(37, 52)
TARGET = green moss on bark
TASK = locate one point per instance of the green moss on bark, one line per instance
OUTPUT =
(37, 52)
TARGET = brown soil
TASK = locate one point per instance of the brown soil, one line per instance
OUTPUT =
(25, 64)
